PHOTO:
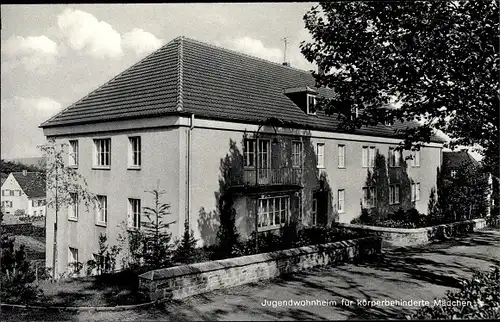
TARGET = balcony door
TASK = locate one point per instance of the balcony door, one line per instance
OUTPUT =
(264, 161)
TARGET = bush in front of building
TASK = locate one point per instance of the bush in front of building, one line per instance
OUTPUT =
(478, 298)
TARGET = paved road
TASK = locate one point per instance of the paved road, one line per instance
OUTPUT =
(419, 273)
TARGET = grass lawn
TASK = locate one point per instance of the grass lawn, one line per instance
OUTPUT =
(106, 290)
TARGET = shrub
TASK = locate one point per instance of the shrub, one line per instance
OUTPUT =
(289, 235)
(480, 293)
(17, 278)
(185, 249)
(364, 218)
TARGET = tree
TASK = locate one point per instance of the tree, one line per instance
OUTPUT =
(156, 235)
(439, 59)
(227, 235)
(63, 183)
(465, 195)
(18, 277)
(185, 251)
(11, 166)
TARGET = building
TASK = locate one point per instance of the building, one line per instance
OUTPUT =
(24, 193)
(206, 123)
(453, 161)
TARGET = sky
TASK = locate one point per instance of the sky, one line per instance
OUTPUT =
(53, 55)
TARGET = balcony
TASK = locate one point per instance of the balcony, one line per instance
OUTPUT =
(266, 177)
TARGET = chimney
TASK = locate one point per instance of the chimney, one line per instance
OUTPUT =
(25, 173)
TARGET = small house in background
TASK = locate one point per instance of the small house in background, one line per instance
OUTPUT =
(23, 193)
(454, 161)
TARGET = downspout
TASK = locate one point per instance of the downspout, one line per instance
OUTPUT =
(188, 179)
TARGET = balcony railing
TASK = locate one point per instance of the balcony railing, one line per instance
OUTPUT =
(267, 176)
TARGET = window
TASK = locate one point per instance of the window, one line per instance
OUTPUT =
(415, 162)
(72, 258)
(297, 154)
(354, 113)
(394, 194)
(73, 153)
(311, 104)
(368, 156)
(340, 202)
(3, 192)
(41, 212)
(18, 192)
(34, 213)
(102, 210)
(11, 192)
(73, 206)
(134, 213)
(415, 191)
(314, 212)
(102, 152)
(134, 151)
(341, 156)
(453, 173)
(273, 212)
(8, 204)
(249, 153)
(369, 197)
(320, 154)
(394, 157)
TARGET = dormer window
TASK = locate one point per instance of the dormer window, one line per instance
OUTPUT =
(311, 104)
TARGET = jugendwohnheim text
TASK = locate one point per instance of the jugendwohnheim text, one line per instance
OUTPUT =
(364, 302)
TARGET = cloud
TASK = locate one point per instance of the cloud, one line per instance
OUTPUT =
(254, 47)
(21, 117)
(33, 53)
(140, 41)
(85, 32)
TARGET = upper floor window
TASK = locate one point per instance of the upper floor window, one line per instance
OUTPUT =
(134, 151)
(453, 173)
(73, 206)
(341, 156)
(415, 155)
(249, 153)
(73, 153)
(320, 155)
(297, 154)
(341, 198)
(394, 157)
(134, 211)
(311, 104)
(273, 212)
(369, 197)
(102, 152)
(102, 210)
(368, 156)
(393, 194)
(11, 192)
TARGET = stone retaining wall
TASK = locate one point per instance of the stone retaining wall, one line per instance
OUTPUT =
(400, 237)
(183, 281)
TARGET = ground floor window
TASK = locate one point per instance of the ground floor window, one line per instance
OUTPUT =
(314, 212)
(369, 197)
(273, 211)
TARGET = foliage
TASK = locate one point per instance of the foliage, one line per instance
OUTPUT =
(18, 277)
(289, 235)
(438, 58)
(157, 249)
(364, 218)
(227, 236)
(465, 195)
(10, 166)
(480, 293)
(106, 257)
(185, 249)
